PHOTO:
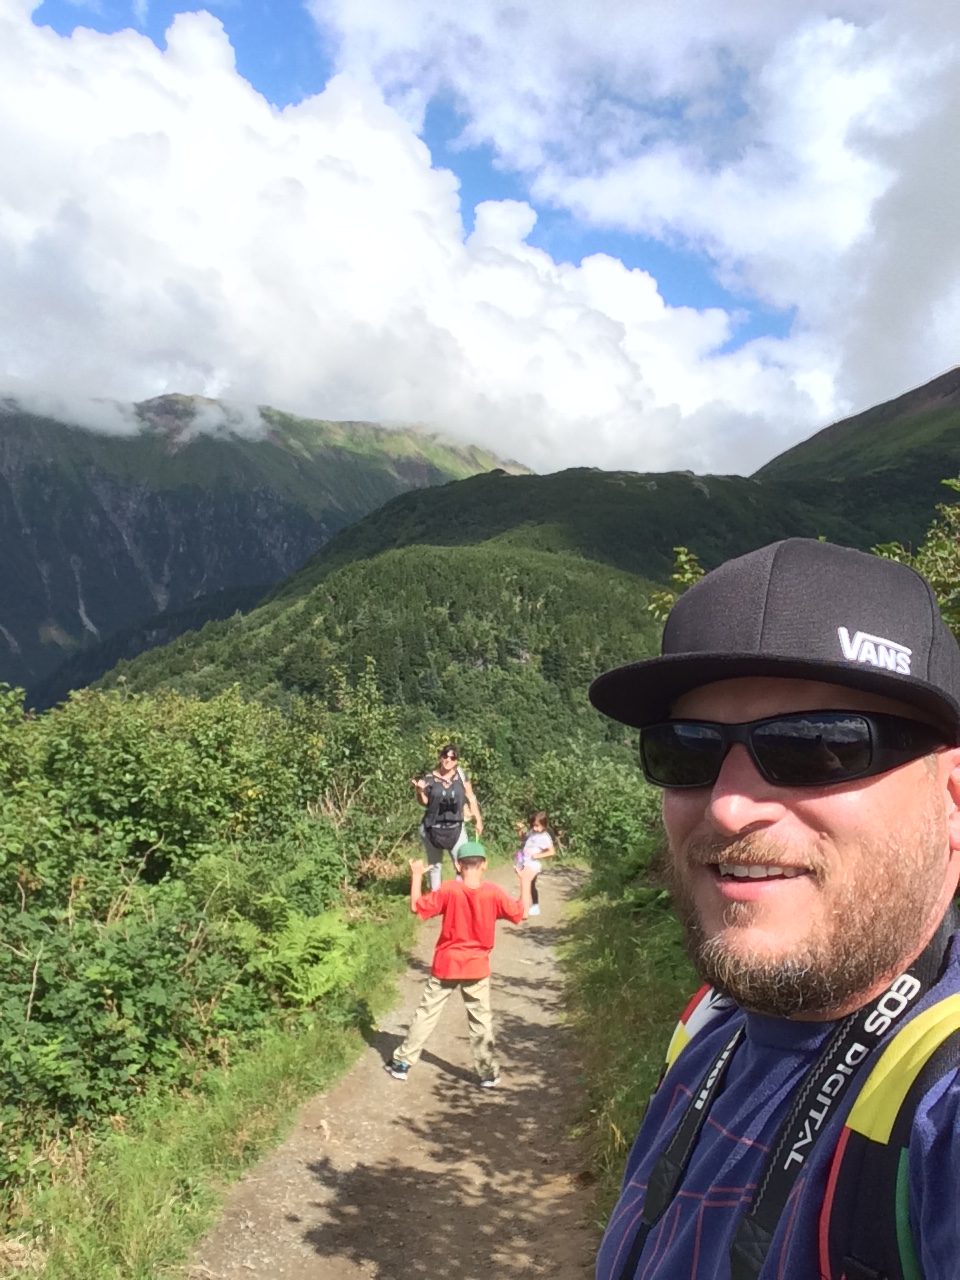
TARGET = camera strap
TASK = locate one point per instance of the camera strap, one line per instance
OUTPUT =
(840, 1062)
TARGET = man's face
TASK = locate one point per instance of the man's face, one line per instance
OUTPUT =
(869, 866)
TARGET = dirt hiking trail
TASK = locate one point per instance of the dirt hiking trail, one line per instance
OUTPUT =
(390, 1180)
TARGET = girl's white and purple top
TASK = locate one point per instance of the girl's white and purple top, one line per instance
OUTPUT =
(534, 842)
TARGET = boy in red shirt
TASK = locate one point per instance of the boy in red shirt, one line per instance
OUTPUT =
(470, 910)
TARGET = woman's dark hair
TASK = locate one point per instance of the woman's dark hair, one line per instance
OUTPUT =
(449, 746)
(538, 816)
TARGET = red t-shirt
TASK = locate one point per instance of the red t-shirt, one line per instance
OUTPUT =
(469, 924)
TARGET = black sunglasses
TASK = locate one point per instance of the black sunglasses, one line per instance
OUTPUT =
(449, 755)
(800, 749)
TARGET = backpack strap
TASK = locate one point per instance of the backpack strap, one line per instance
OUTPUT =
(864, 1229)
(703, 1008)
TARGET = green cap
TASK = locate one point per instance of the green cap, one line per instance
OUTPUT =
(471, 849)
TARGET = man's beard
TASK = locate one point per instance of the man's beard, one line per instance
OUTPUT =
(869, 932)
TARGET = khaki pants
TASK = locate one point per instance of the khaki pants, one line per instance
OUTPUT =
(476, 997)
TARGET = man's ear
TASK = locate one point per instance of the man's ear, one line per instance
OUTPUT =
(952, 764)
(952, 868)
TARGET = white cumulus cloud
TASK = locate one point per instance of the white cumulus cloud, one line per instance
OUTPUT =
(803, 148)
(164, 228)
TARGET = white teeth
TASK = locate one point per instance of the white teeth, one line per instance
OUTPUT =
(741, 872)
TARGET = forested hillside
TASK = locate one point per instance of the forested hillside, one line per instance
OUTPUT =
(867, 479)
(499, 638)
(496, 595)
(625, 519)
(613, 520)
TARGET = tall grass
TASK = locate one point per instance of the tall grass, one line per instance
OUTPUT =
(628, 979)
(129, 1205)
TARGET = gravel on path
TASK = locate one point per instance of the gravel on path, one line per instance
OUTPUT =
(433, 1176)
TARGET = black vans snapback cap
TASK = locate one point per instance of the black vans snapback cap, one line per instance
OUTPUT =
(805, 609)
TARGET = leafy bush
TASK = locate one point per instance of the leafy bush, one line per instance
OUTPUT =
(174, 875)
(937, 557)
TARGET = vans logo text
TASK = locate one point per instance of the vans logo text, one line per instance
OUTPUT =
(875, 650)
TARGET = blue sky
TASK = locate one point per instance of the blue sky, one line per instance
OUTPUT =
(685, 279)
(278, 47)
(704, 231)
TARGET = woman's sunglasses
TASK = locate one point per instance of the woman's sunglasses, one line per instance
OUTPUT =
(802, 749)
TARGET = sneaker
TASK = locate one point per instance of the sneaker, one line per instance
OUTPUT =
(534, 910)
(490, 1082)
(399, 1070)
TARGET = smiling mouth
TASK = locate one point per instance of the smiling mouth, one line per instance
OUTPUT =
(755, 871)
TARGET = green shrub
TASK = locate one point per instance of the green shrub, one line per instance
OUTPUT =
(173, 873)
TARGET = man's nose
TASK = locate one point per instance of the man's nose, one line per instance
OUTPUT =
(741, 799)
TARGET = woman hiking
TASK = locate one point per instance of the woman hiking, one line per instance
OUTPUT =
(448, 798)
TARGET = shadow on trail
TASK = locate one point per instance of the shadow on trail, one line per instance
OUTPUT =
(546, 935)
(487, 1163)
(385, 1042)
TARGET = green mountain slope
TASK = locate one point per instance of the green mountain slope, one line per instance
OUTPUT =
(503, 638)
(868, 479)
(624, 519)
(620, 519)
(101, 531)
(873, 478)
(923, 423)
(498, 594)
(86, 666)
(883, 467)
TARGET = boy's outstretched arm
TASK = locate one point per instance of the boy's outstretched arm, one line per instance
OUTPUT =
(417, 868)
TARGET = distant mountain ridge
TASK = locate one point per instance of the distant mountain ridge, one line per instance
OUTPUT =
(512, 590)
(873, 478)
(101, 531)
(882, 468)
(868, 479)
(874, 440)
(580, 520)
